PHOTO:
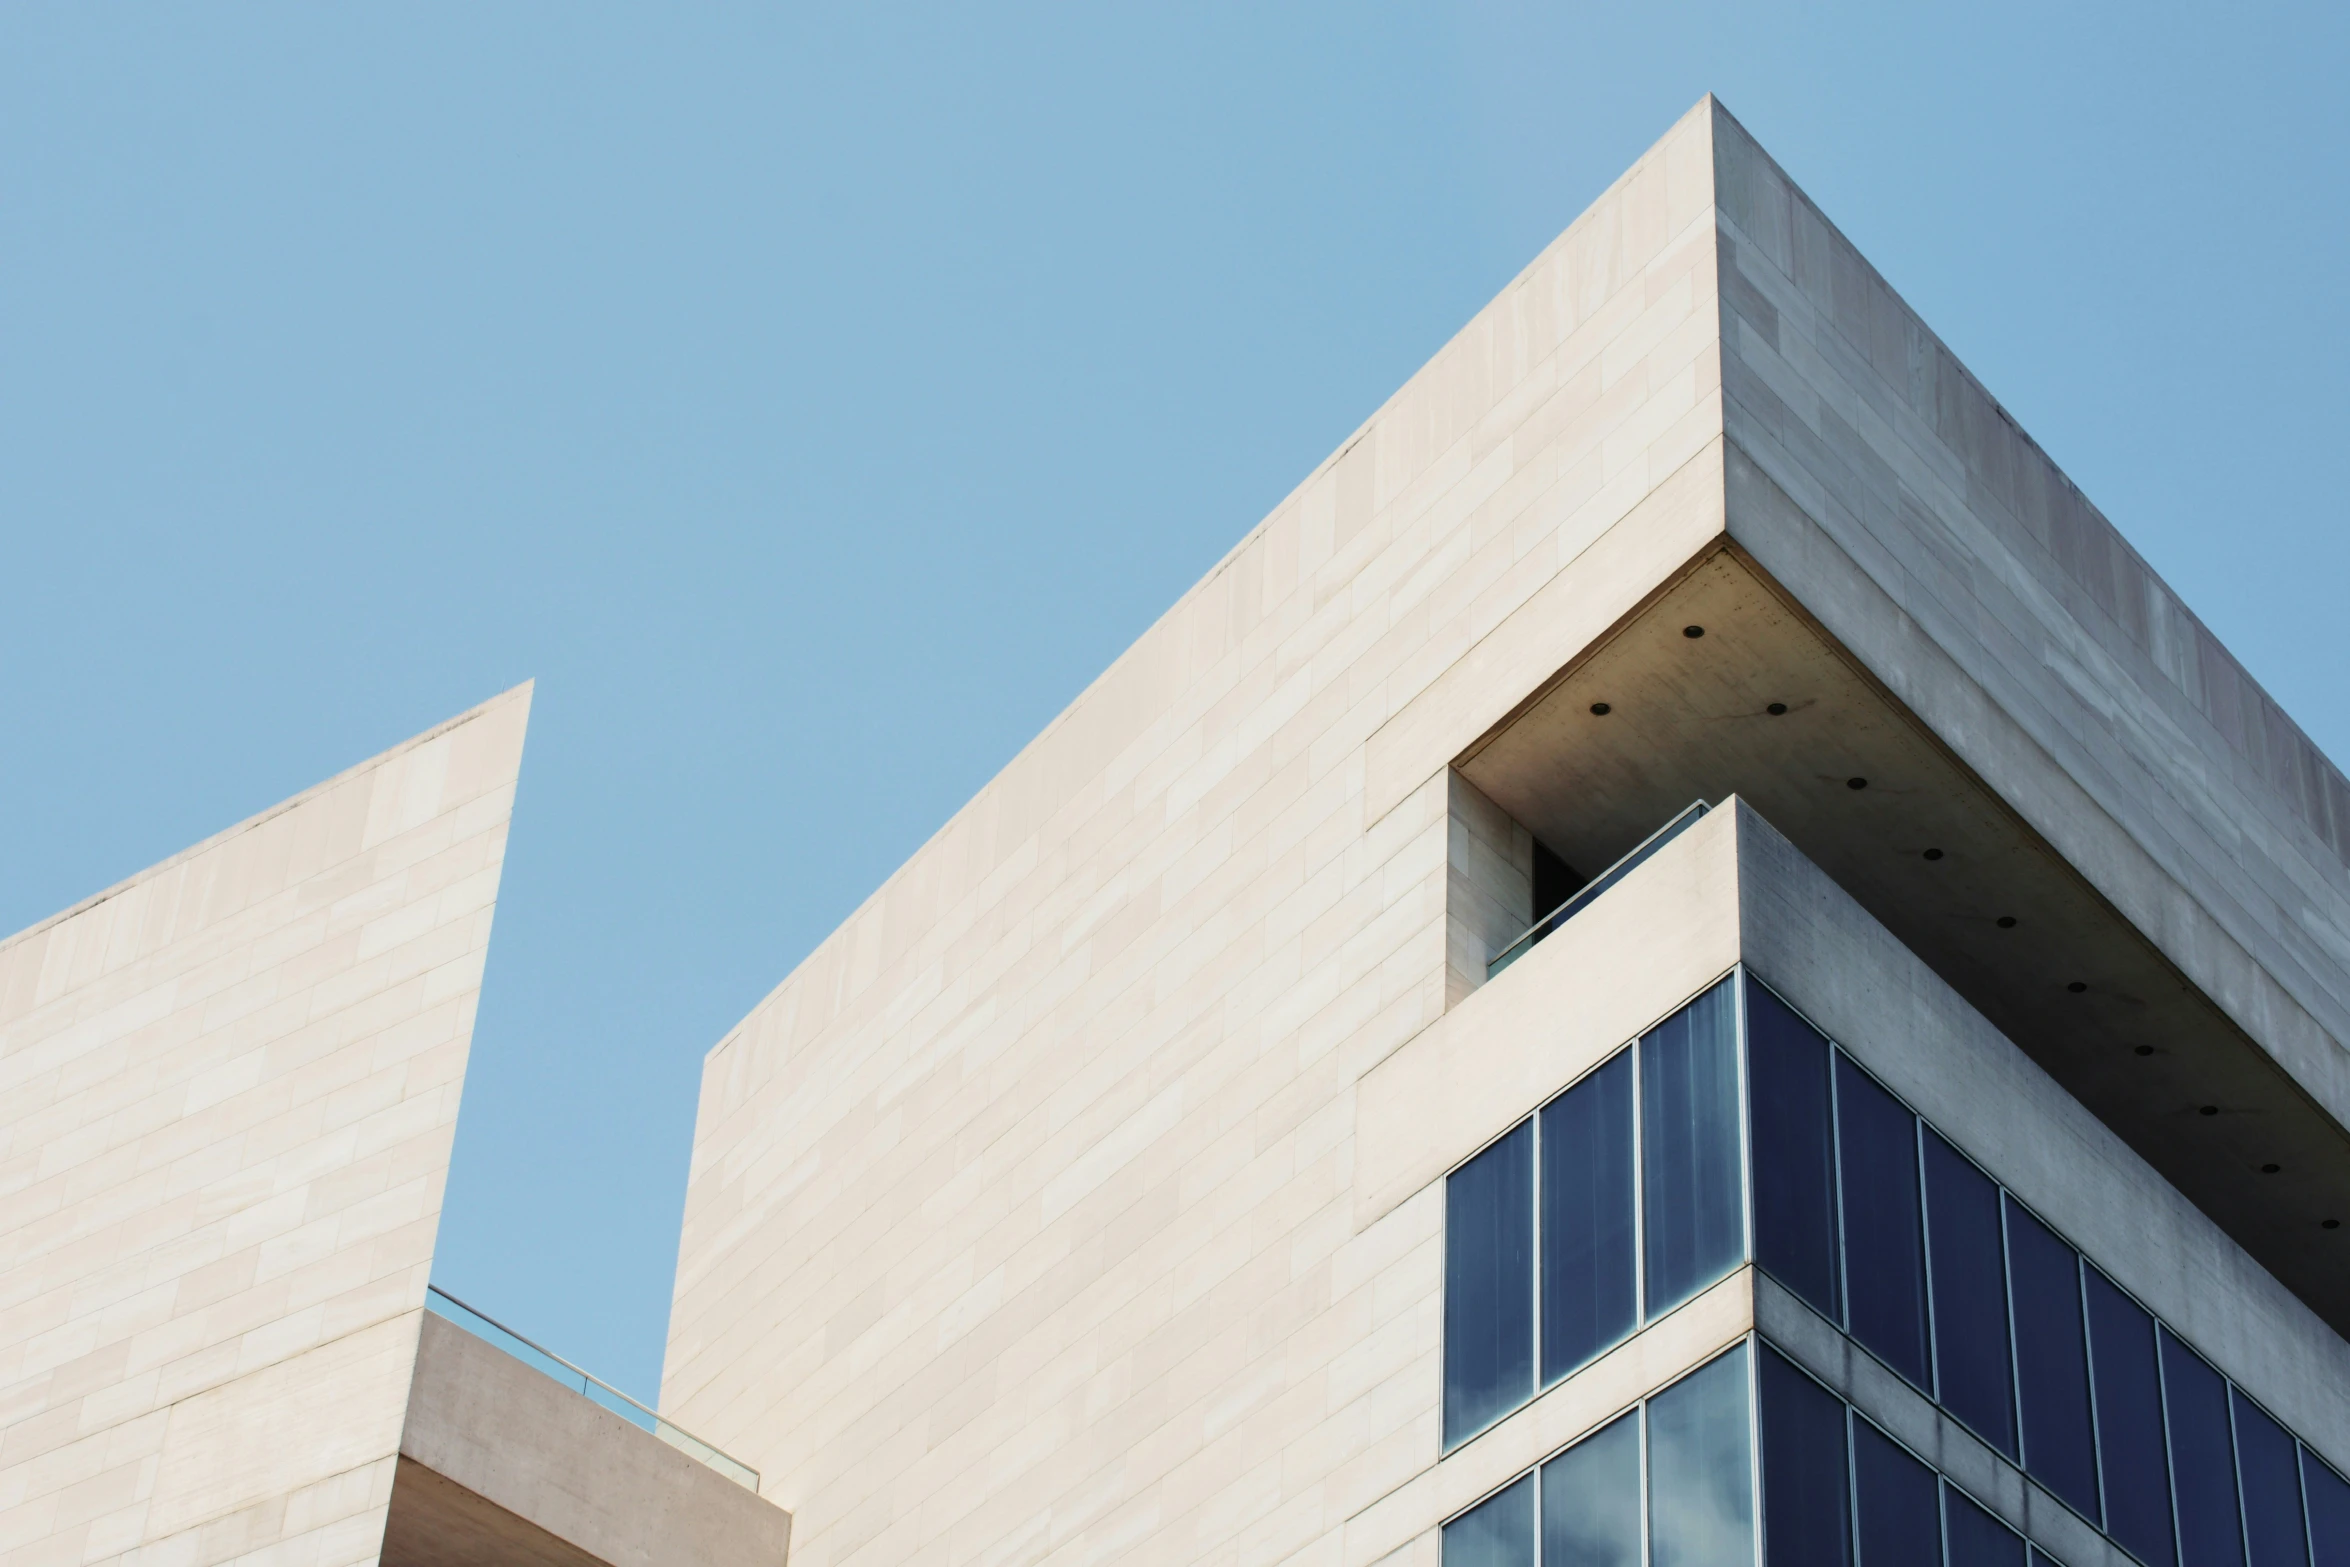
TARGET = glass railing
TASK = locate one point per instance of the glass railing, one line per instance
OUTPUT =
(488, 1329)
(1597, 885)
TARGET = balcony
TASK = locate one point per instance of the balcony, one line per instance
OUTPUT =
(1684, 819)
(511, 1456)
(1722, 685)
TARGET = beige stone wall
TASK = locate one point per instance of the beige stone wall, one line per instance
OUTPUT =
(1912, 515)
(227, 1091)
(1489, 895)
(1020, 1225)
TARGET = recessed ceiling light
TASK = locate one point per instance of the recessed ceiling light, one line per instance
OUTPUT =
(1693, 632)
(1856, 783)
(1776, 708)
(2208, 1110)
(1933, 854)
(2331, 1224)
(2007, 922)
(2270, 1169)
(2145, 1050)
(1599, 709)
(2076, 987)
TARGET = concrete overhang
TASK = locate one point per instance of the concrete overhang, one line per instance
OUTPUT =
(1866, 790)
(501, 1466)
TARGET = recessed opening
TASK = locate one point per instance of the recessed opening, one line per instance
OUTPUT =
(1555, 881)
(1769, 709)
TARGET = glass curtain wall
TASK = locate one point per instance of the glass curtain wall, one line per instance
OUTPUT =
(1629, 1193)
(1838, 1492)
(1612, 1204)
(1669, 1483)
(1672, 1483)
(1908, 1246)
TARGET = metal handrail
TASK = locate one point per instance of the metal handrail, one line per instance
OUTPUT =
(1598, 884)
(651, 1419)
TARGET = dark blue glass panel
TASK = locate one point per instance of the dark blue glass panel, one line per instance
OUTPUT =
(1700, 1489)
(1894, 1499)
(1591, 1500)
(1976, 1539)
(2328, 1498)
(1497, 1532)
(2129, 1424)
(2051, 1360)
(2268, 1468)
(1693, 1206)
(1973, 1377)
(1884, 1241)
(1589, 1289)
(1794, 1150)
(2202, 1459)
(1806, 1487)
(2040, 1558)
(1489, 1285)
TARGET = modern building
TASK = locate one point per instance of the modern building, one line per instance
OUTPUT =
(227, 1092)
(1682, 960)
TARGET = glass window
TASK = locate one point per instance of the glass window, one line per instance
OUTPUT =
(2051, 1360)
(1591, 1500)
(2041, 1559)
(1970, 1295)
(1489, 1285)
(2202, 1465)
(1806, 1486)
(1975, 1538)
(1794, 1150)
(2267, 1467)
(1497, 1532)
(1588, 1282)
(2129, 1423)
(1693, 1197)
(1700, 1493)
(1900, 1524)
(2329, 1512)
(1884, 1244)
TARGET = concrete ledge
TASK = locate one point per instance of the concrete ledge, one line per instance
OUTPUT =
(503, 1467)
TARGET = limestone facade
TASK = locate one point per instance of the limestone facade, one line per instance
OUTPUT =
(227, 1092)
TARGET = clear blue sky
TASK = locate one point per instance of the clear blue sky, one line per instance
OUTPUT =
(814, 400)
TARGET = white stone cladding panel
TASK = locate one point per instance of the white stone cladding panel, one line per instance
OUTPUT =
(2115, 722)
(227, 1091)
(1021, 1224)
(1489, 896)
